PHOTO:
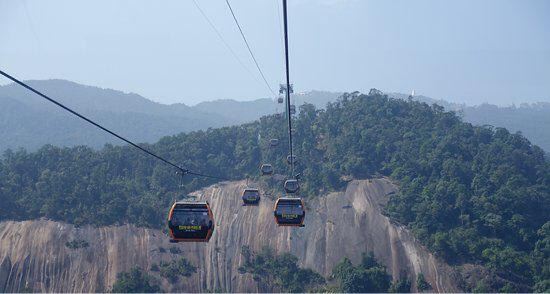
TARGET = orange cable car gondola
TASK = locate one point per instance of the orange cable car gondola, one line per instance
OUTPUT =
(190, 221)
(291, 159)
(266, 169)
(251, 196)
(291, 186)
(289, 211)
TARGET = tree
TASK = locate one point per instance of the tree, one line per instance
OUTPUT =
(278, 272)
(175, 269)
(403, 285)
(367, 277)
(135, 281)
(542, 260)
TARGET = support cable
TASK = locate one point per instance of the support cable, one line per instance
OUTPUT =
(248, 47)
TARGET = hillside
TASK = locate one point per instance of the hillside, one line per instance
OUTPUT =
(33, 255)
(28, 121)
(471, 195)
(531, 119)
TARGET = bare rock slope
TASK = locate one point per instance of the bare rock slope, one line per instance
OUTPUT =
(33, 255)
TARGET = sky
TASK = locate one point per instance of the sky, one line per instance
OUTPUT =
(467, 51)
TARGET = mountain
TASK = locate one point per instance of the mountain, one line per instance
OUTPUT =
(531, 119)
(475, 197)
(34, 255)
(246, 111)
(29, 121)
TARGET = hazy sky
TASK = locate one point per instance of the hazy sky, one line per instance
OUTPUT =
(463, 51)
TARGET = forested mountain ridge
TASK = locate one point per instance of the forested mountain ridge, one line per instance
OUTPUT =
(28, 121)
(471, 194)
(252, 110)
(531, 119)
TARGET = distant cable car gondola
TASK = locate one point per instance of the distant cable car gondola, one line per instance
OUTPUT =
(283, 88)
(291, 159)
(291, 186)
(251, 196)
(289, 211)
(280, 100)
(190, 221)
(274, 142)
(292, 109)
(266, 169)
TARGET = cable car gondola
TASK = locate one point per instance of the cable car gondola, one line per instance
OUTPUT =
(280, 100)
(251, 196)
(190, 221)
(273, 142)
(292, 109)
(291, 186)
(266, 169)
(291, 159)
(289, 211)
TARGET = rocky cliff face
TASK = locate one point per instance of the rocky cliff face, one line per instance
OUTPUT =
(33, 254)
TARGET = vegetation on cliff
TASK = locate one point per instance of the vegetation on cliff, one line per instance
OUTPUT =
(367, 277)
(140, 281)
(278, 272)
(471, 194)
(135, 281)
(173, 270)
(77, 244)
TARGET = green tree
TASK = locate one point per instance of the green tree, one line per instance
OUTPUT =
(273, 272)
(135, 281)
(173, 270)
(367, 277)
(403, 285)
